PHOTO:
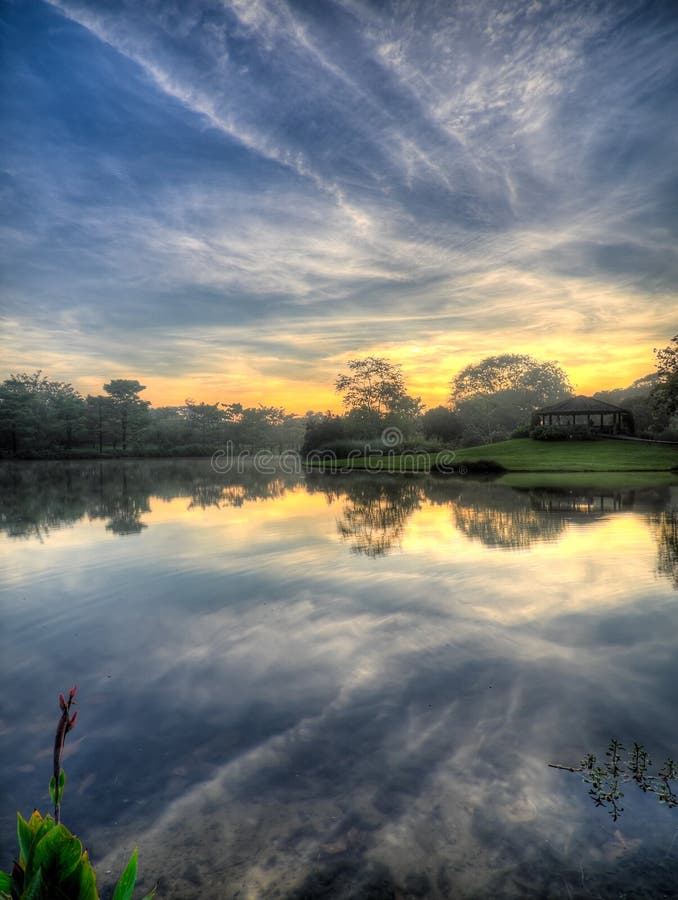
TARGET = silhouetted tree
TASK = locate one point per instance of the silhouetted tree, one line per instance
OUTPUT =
(442, 424)
(374, 384)
(664, 394)
(537, 383)
(128, 408)
(98, 410)
(36, 414)
(323, 430)
(205, 418)
(499, 393)
(374, 395)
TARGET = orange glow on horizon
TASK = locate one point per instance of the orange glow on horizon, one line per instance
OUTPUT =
(427, 369)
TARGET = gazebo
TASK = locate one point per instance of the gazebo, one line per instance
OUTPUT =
(587, 412)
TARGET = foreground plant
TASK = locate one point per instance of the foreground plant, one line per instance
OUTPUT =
(52, 863)
(606, 778)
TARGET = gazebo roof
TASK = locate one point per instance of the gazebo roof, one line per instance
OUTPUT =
(581, 404)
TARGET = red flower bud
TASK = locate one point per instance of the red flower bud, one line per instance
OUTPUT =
(72, 722)
(72, 691)
(62, 702)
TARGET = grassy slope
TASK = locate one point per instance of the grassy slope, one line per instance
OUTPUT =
(525, 455)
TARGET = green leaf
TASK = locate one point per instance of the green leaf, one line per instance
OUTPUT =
(25, 837)
(58, 852)
(151, 895)
(35, 888)
(29, 833)
(124, 888)
(5, 882)
(88, 881)
(57, 797)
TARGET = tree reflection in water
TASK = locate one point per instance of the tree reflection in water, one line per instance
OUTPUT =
(123, 508)
(665, 528)
(375, 513)
(38, 497)
(498, 515)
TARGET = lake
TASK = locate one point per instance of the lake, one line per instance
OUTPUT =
(340, 686)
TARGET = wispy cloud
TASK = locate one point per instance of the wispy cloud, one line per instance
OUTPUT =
(335, 178)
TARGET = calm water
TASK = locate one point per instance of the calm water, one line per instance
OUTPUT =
(340, 686)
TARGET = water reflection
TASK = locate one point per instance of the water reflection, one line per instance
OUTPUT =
(665, 527)
(38, 497)
(270, 715)
(515, 519)
(374, 511)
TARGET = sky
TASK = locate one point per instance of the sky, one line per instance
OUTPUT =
(228, 200)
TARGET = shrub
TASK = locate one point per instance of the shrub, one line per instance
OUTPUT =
(563, 433)
(468, 467)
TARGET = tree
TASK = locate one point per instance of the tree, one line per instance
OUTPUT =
(323, 430)
(38, 414)
(375, 385)
(129, 408)
(538, 382)
(664, 394)
(206, 417)
(19, 414)
(499, 393)
(98, 414)
(167, 426)
(374, 394)
(258, 427)
(636, 399)
(442, 424)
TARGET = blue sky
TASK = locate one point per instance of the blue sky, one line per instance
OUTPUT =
(228, 200)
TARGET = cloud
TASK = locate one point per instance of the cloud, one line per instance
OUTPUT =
(369, 175)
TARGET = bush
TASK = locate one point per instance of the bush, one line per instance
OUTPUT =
(470, 467)
(442, 424)
(563, 433)
(377, 446)
(668, 434)
(323, 434)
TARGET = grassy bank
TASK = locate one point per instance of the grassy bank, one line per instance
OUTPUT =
(582, 481)
(525, 455)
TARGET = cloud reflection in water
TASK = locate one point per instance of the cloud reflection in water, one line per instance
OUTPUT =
(267, 712)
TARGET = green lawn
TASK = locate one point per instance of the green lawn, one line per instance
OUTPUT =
(582, 481)
(526, 455)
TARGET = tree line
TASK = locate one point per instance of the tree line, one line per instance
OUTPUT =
(43, 418)
(490, 400)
